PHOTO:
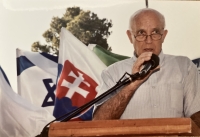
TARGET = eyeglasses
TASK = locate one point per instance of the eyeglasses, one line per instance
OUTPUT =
(143, 37)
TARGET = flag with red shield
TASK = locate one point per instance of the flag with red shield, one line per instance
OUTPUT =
(79, 76)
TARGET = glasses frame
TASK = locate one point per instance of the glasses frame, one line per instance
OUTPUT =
(147, 36)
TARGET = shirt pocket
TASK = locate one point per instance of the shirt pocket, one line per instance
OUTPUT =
(176, 93)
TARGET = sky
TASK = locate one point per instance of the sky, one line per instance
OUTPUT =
(23, 22)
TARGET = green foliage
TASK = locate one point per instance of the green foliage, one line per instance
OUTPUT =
(85, 25)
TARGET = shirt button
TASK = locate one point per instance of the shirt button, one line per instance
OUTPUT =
(154, 106)
(153, 86)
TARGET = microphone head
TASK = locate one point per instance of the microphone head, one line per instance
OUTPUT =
(155, 61)
(149, 65)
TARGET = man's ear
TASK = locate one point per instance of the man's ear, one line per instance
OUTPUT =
(128, 32)
(164, 35)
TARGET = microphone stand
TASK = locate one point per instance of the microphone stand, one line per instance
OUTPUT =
(75, 112)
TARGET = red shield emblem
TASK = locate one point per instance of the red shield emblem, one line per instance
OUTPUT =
(76, 85)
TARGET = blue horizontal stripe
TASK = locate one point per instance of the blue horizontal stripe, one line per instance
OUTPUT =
(22, 64)
(4, 74)
(196, 62)
(50, 57)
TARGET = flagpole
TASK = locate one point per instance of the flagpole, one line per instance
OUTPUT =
(147, 4)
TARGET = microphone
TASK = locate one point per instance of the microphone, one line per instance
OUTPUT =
(149, 65)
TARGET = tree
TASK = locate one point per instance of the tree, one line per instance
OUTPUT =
(85, 25)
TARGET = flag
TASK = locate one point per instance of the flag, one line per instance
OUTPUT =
(79, 72)
(197, 63)
(36, 78)
(37, 73)
(18, 117)
(106, 56)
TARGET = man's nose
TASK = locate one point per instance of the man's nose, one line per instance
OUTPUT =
(148, 39)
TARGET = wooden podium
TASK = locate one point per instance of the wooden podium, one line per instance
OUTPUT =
(126, 128)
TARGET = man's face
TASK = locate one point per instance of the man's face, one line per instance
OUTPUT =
(147, 24)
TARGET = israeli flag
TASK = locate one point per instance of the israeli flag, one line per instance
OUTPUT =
(36, 77)
(18, 117)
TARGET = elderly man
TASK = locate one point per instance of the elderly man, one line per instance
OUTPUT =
(170, 90)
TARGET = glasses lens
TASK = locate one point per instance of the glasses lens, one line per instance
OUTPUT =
(155, 36)
(140, 37)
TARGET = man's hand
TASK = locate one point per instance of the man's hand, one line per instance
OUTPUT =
(146, 56)
(138, 65)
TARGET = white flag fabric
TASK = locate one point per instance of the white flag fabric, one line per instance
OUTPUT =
(18, 117)
(79, 72)
(36, 78)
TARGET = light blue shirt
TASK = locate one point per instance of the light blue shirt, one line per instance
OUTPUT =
(173, 91)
